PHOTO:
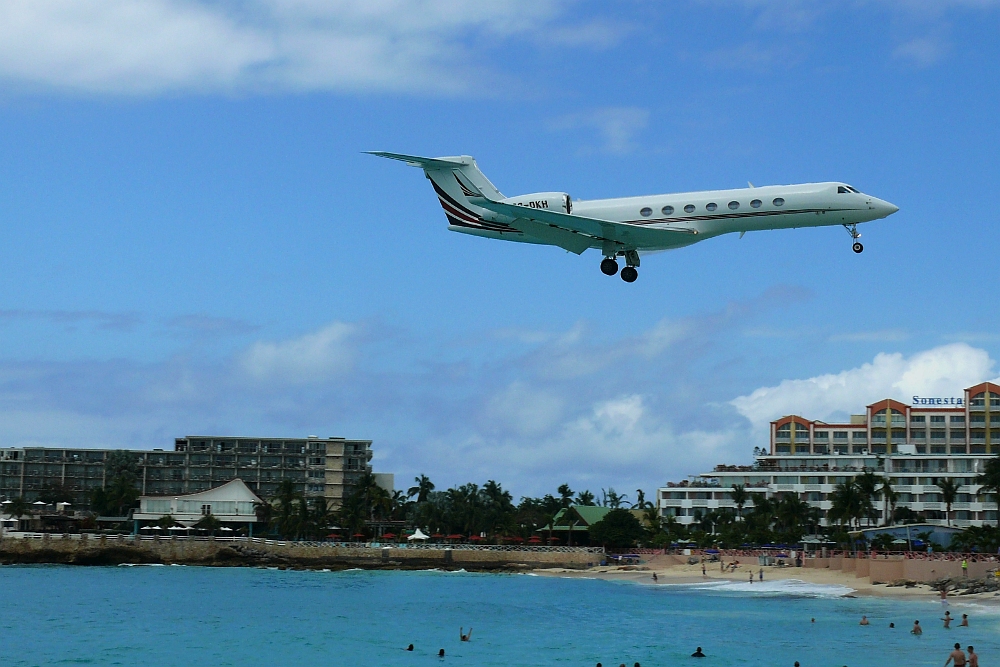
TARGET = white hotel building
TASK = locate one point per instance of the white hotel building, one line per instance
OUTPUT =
(914, 445)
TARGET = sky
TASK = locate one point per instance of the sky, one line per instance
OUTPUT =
(192, 241)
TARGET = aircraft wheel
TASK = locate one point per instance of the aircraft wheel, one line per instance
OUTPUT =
(857, 247)
(609, 267)
(629, 274)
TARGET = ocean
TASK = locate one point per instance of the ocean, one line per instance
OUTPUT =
(174, 616)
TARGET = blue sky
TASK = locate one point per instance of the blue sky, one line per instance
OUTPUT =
(192, 241)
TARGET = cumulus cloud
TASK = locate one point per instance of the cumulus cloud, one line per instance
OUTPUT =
(153, 46)
(941, 371)
(314, 357)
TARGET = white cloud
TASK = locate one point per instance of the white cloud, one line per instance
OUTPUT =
(310, 358)
(941, 371)
(616, 127)
(152, 46)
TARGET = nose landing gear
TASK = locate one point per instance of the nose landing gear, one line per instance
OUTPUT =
(852, 229)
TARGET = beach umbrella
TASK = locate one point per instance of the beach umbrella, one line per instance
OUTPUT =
(333, 536)
(38, 502)
(417, 535)
(454, 537)
(358, 535)
(534, 539)
(389, 536)
(475, 538)
(438, 535)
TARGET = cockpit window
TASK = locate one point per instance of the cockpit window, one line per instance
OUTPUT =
(844, 189)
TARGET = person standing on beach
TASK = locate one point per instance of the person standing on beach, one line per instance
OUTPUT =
(703, 573)
(762, 574)
(973, 658)
(917, 630)
(751, 577)
(965, 568)
(654, 577)
(957, 656)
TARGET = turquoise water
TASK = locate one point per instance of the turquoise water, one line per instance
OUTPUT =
(188, 616)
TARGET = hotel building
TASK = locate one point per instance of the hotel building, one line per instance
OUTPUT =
(915, 445)
(318, 466)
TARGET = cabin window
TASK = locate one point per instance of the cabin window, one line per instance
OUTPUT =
(733, 205)
(711, 206)
(689, 208)
(667, 210)
(778, 201)
(755, 203)
(646, 212)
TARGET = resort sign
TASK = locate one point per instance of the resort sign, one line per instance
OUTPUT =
(924, 400)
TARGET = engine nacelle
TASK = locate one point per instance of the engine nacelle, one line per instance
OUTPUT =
(559, 202)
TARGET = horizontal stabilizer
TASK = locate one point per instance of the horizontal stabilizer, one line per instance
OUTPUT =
(426, 162)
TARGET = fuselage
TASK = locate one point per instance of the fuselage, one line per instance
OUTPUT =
(712, 213)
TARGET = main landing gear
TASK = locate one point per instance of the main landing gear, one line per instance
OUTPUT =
(852, 229)
(609, 266)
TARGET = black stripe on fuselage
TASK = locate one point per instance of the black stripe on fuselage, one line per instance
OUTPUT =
(734, 216)
(480, 224)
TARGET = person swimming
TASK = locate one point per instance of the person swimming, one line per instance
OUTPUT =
(464, 637)
(409, 648)
(965, 621)
(892, 625)
(864, 620)
(698, 654)
(947, 620)
(917, 630)
(441, 653)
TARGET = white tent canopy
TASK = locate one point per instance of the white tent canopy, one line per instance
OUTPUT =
(417, 535)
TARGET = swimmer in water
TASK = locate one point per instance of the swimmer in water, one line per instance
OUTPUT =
(464, 637)
(973, 658)
(441, 653)
(892, 625)
(698, 654)
(965, 621)
(864, 620)
(409, 648)
(947, 620)
(917, 630)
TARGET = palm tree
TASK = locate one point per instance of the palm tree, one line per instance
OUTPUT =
(166, 521)
(210, 523)
(585, 498)
(651, 515)
(949, 492)
(740, 496)
(18, 507)
(640, 500)
(989, 480)
(847, 503)
(565, 495)
(867, 484)
(889, 498)
(570, 518)
(422, 489)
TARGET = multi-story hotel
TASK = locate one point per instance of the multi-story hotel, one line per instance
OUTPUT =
(915, 445)
(318, 467)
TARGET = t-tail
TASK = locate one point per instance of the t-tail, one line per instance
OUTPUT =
(456, 180)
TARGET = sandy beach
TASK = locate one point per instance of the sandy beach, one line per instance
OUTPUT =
(668, 572)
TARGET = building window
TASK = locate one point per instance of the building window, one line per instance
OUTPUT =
(206, 510)
(733, 205)
(840, 435)
(918, 419)
(755, 203)
(689, 208)
(783, 449)
(958, 419)
(937, 419)
(821, 435)
(646, 212)
(667, 210)
(778, 201)
(711, 206)
(937, 434)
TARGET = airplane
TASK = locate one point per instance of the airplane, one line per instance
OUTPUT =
(626, 226)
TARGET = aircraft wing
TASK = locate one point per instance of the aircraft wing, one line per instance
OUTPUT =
(568, 228)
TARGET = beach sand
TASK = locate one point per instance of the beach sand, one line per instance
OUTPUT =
(668, 572)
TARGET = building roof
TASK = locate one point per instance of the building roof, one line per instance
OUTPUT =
(234, 490)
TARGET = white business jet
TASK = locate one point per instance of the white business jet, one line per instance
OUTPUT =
(630, 225)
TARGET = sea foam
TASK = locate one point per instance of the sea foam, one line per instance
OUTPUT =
(777, 587)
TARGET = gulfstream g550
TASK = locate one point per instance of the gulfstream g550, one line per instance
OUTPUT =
(627, 226)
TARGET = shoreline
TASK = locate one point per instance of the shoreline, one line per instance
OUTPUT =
(668, 573)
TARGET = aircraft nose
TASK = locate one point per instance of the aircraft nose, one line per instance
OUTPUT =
(885, 208)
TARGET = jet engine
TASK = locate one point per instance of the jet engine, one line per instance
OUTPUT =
(560, 202)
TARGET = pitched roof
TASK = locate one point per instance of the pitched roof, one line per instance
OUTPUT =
(234, 490)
